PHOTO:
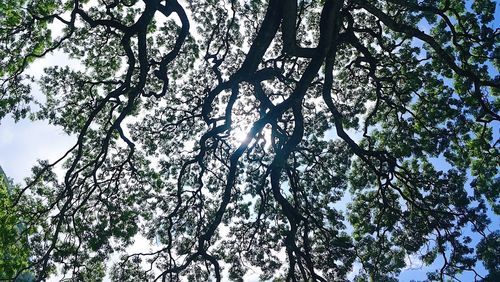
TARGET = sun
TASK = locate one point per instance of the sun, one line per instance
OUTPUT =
(240, 134)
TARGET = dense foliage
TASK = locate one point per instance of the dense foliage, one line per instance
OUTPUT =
(14, 250)
(295, 139)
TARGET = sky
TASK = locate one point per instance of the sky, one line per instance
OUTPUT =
(25, 142)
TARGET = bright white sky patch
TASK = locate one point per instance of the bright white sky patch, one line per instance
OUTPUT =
(25, 142)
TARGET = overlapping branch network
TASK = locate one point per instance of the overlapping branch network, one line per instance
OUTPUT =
(306, 70)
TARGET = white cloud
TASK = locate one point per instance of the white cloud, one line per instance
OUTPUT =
(6, 136)
(25, 142)
(413, 262)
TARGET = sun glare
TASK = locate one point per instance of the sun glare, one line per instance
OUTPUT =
(239, 135)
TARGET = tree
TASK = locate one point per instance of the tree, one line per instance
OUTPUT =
(231, 134)
(14, 251)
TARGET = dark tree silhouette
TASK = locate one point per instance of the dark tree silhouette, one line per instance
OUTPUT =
(295, 138)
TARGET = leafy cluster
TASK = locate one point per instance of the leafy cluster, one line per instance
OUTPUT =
(292, 139)
(14, 251)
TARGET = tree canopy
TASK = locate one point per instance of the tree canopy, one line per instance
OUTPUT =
(14, 252)
(295, 139)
